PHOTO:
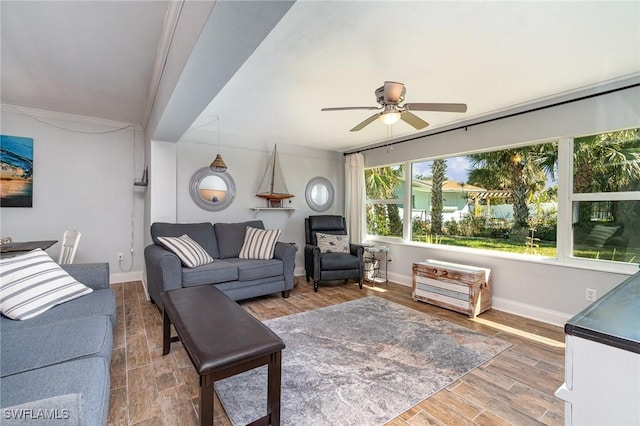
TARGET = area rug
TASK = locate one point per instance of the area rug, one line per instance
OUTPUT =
(361, 362)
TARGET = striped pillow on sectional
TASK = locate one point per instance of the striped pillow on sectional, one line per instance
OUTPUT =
(33, 283)
(259, 243)
(191, 254)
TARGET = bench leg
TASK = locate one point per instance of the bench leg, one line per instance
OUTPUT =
(206, 400)
(273, 388)
(166, 333)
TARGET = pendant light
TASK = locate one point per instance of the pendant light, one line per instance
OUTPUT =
(218, 165)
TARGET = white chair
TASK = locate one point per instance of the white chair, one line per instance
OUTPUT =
(70, 242)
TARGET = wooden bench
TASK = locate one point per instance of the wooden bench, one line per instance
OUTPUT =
(222, 340)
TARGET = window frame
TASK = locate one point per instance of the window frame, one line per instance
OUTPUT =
(566, 197)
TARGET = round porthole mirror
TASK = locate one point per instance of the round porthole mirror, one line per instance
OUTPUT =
(319, 194)
(212, 191)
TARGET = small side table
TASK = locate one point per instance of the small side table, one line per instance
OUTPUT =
(375, 255)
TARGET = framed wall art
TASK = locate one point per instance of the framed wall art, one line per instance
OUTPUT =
(16, 171)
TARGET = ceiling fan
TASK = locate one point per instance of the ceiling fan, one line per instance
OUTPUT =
(389, 97)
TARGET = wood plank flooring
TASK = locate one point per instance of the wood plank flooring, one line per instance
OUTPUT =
(514, 388)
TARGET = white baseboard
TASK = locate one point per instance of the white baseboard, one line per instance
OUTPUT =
(299, 271)
(498, 303)
(529, 311)
(122, 277)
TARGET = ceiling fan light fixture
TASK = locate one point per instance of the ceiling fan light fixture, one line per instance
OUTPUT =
(390, 118)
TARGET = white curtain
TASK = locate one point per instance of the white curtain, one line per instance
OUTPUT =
(355, 197)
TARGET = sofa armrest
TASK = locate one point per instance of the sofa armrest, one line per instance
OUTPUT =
(287, 253)
(164, 271)
(94, 275)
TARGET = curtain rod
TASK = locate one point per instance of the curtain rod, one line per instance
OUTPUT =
(489, 120)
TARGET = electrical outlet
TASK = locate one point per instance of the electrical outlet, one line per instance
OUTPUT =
(591, 295)
(120, 256)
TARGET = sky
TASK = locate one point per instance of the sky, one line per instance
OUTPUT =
(457, 168)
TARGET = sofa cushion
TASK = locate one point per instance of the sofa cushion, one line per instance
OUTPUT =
(65, 409)
(217, 272)
(100, 302)
(202, 233)
(230, 236)
(88, 377)
(251, 269)
(57, 342)
(190, 253)
(330, 243)
(33, 283)
(338, 261)
(259, 243)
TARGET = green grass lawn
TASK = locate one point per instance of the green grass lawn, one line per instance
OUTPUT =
(544, 249)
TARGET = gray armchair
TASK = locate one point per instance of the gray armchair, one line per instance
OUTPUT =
(330, 266)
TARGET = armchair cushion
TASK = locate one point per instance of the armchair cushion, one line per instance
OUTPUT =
(338, 262)
(331, 243)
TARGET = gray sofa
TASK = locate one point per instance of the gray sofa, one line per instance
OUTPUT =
(59, 360)
(237, 278)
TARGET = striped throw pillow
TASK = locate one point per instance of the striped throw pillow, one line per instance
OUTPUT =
(259, 243)
(599, 235)
(33, 283)
(191, 254)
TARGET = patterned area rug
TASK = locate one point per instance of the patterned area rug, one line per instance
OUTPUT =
(362, 362)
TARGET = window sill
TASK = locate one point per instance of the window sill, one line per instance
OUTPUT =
(573, 262)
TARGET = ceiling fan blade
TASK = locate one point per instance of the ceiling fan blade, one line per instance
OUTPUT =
(436, 107)
(413, 120)
(393, 91)
(365, 123)
(349, 108)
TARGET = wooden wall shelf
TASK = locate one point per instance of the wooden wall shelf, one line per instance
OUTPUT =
(257, 210)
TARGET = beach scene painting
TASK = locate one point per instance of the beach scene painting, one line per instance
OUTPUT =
(16, 171)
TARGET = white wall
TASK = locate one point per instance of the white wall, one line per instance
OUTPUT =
(247, 167)
(81, 181)
(544, 290)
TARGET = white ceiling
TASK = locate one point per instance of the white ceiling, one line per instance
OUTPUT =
(90, 58)
(96, 59)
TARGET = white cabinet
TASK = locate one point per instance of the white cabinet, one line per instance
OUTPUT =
(602, 384)
(602, 360)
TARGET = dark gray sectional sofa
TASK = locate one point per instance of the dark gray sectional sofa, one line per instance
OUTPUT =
(237, 278)
(60, 359)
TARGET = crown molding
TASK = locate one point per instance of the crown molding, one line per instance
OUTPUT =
(168, 30)
(53, 115)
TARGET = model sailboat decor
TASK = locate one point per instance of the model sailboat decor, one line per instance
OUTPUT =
(273, 187)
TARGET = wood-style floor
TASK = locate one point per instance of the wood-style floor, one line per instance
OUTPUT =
(515, 387)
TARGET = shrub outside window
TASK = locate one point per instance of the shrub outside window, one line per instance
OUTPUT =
(385, 189)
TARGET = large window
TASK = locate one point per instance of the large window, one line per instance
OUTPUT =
(501, 200)
(606, 196)
(508, 200)
(385, 188)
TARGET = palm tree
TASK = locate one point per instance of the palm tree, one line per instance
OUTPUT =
(607, 162)
(521, 170)
(381, 184)
(438, 170)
